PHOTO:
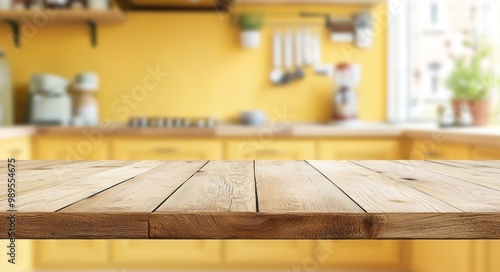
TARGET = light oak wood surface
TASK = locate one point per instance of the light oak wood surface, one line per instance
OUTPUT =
(255, 200)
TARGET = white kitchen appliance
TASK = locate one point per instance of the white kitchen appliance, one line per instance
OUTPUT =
(345, 99)
(50, 103)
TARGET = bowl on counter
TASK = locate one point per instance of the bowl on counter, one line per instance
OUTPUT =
(254, 118)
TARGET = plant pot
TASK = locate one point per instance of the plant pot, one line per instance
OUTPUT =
(250, 38)
(480, 111)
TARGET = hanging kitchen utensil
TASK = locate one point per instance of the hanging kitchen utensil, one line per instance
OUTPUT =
(299, 57)
(288, 76)
(276, 75)
(308, 57)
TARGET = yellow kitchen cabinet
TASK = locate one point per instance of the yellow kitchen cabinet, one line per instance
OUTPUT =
(432, 256)
(493, 257)
(363, 254)
(272, 149)
(17, 148)
(485, 153)
(193, 254)
(427, 149)
(362, 149)
(266, 254)
(172, 149)
(24, 256)
(71, 254)
(69, 148)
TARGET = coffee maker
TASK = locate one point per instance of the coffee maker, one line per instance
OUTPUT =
(345, 99)
(49, 101)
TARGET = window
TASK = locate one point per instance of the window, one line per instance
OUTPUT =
(423, 36)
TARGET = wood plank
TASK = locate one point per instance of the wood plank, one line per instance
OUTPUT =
(295, 186)
(86, 225)
(481, 166)
(376, 192)
(481, 177)
(350, 226)
(144, 193)
(220, 186)
(31, 180)
(57, 197)
(467, 197)
(257, 226)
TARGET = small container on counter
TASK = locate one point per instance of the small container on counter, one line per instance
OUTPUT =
(19, 5)
(77, 4)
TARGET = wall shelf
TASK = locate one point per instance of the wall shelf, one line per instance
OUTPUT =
(307, 2)
(62, 16)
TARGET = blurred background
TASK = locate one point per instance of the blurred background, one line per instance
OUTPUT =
(245, 80)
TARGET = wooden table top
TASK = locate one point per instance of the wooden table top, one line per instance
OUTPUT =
(254, 200)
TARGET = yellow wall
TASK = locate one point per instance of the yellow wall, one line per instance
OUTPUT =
(209, 73)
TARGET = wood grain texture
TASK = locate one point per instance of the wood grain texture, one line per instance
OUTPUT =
(59, 196)
(42, 177)
(220, 186)
(295, 186)
(143, 193)
(257, 200)
(78, 225)
(376, 192)
(350, 226)
(466, 196)
(469, 172)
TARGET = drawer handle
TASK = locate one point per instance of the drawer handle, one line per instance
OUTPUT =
(432, 154)
(15, 152)
(167, 150)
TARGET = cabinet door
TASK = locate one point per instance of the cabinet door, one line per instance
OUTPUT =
(18, 148)
(165, 254)
(24, 256)
(432, 256)
(362, 254)
(166, 150)
(376, 149)
(69, 148)
(493, 251)
(422, 149)
(266, 254)
(270, 150)
(485, 153)
(71, 254)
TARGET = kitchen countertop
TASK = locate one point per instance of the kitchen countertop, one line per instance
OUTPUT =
(16, 131)
(256, 200)
(484, 136)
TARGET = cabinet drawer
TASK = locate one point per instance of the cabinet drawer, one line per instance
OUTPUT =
(165, 254)
(166, 150)
(485, 153)
(265, 254)
(18, 148)
(270, 150)
(363, 254)
(71, 254)
(376, 149)
(69, 148)
(422, 149)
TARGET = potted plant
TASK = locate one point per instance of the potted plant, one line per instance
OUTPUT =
(471, 84)
(250, 25)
